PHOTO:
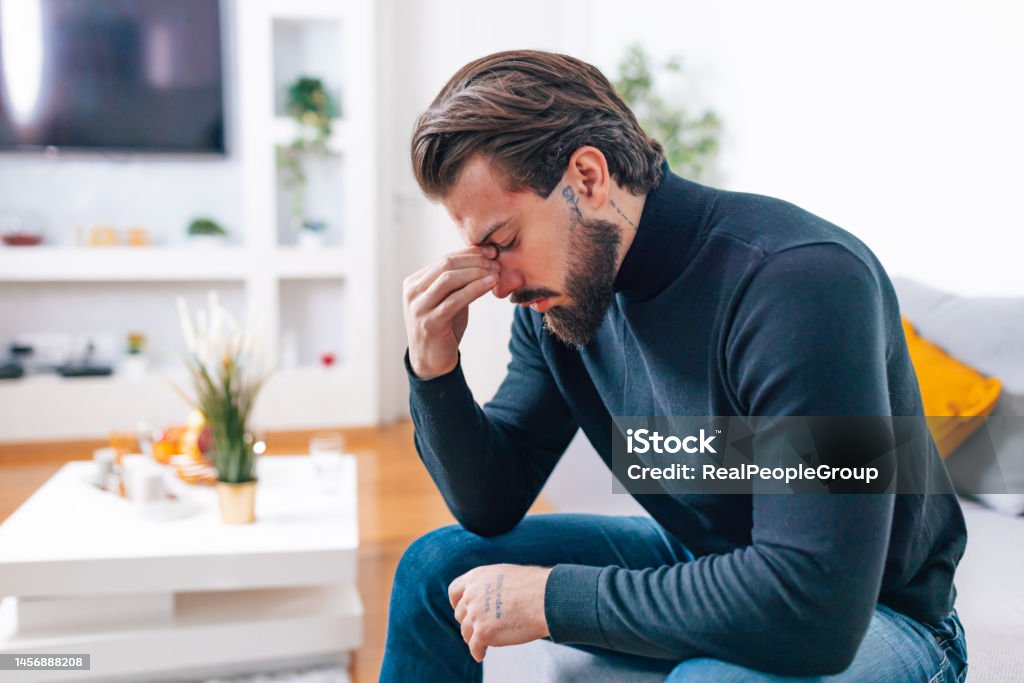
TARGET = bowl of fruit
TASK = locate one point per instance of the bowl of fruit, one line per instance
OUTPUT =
(187, 447)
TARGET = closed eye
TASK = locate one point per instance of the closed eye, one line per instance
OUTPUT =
(505, 247)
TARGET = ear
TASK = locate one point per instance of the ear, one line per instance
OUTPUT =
(588, 176)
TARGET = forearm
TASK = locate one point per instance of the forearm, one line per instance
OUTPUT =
(486, 480)
(789, 608)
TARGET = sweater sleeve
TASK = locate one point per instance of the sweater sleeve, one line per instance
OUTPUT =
(808, 337)
(490, 463)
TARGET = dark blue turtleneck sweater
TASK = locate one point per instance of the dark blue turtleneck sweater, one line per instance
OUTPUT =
(726, 304)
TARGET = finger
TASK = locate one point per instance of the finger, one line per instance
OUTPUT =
(486, 250)
(454, 261)
(460, 611)
(455, 590)
(477, 648)
(467, 631)
(459, 300)
(437, 277)
(448, 282)
(473, 257)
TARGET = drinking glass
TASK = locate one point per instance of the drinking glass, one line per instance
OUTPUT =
(325, 451)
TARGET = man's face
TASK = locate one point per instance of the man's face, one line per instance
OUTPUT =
(552, 259)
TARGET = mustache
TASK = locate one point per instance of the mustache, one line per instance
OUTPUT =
(522, 296)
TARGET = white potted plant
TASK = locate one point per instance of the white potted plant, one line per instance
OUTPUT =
(227, 368)
(311, 235)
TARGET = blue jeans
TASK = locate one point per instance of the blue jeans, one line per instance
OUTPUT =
(424, 643)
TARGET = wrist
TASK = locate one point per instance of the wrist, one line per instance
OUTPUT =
(426, 372)
(545, 631)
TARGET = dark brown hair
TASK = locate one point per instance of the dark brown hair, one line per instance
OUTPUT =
(528, 111)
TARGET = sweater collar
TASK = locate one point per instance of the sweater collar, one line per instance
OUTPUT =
(666, 238)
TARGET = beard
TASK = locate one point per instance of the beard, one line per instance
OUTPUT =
(593, 256)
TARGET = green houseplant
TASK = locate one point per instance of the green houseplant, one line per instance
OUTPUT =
(690, 140)
(206, 231)
(313, 110)
(227, 369)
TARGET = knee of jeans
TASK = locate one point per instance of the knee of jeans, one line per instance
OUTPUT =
(433, 561)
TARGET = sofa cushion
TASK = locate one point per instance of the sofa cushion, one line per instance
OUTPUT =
(987, 334)
(957, 398)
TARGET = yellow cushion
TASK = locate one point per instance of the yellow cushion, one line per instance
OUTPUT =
(957, 398)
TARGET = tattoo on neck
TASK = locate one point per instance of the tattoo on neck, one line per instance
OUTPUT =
(619, 211)
(570, 197)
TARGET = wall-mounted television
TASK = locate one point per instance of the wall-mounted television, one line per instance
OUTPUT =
(111, 75)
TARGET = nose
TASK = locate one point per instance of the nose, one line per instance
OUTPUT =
(508, 281)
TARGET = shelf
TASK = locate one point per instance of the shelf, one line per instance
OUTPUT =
(47, 407)
(167, 264)
(301, 263)
(122, 264)
(286, 130)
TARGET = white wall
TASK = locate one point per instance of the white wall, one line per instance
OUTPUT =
(900, 121)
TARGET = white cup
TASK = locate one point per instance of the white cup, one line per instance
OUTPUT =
(103, 459)
(145, 484)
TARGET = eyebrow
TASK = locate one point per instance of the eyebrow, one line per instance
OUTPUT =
(490, 231)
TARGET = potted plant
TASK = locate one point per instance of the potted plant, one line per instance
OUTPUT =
(690, 141)
(313, 110)
(227, 368)
(311, 236)
(133, 365)
(206, 232)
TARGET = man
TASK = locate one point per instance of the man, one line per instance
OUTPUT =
(641, 293)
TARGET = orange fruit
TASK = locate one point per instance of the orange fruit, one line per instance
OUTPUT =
(174, 434)
(164, 450)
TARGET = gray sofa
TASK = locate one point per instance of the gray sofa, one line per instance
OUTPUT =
(986, 333)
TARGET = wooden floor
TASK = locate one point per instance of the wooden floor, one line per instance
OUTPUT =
(397, 503)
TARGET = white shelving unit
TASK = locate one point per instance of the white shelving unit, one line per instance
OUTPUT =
(320, 300)
(168, 264)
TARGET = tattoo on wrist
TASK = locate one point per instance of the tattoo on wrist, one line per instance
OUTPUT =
(619, 211)
(497, 598)
(572, 200)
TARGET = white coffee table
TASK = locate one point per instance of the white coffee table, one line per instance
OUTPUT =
(86, 572)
